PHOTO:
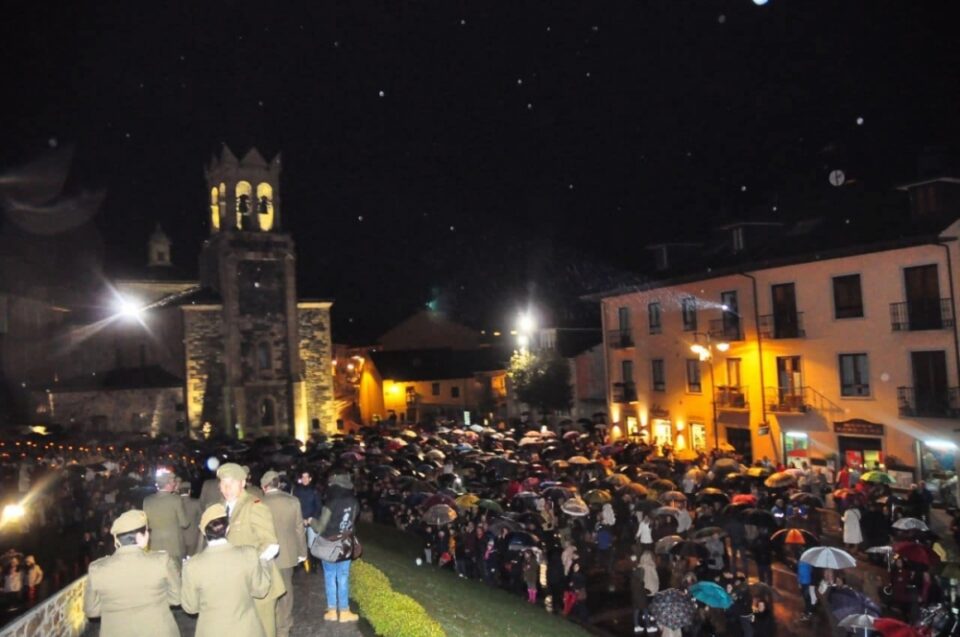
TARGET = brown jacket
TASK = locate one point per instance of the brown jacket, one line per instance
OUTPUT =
(167, 519)
(251, 524)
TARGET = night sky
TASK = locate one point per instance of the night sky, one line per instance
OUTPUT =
(480, 155)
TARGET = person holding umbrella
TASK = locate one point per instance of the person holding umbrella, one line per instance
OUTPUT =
(644, 583)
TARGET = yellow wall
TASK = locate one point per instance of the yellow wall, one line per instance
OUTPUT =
(888, 351)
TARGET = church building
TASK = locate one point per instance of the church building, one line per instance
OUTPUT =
(234, 352)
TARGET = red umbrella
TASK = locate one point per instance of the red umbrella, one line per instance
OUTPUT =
(916, 553)
(796, 537)
(744, 498)
(439, 498)
(889, 627)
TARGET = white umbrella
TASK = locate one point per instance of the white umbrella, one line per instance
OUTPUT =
(880, 550)
(828, 557)
(856, 623)
(910, 524)
(476, 429)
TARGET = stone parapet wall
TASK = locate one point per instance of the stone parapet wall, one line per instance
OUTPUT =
(58, 616)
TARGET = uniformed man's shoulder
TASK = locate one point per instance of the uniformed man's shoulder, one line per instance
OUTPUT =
(98, 564)
(279, 495)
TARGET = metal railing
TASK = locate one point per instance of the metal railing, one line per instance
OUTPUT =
(624, 392)
(929, 402)
(794, 400)
(782, 326)
(931, 314)
(620, 339)
(721, 330)
(730, 397)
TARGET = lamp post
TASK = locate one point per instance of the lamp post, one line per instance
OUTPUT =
(705, 352)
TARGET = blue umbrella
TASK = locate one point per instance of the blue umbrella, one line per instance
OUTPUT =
(711, 594)
(844, 601)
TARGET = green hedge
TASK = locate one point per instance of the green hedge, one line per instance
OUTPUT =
(391, 614)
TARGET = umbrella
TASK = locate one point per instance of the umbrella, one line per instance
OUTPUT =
(575, 507)
(490, 505)
(806, 499)
(828, 557)
(711, 594)
(581, 460)
(877, 477)
(708, 532)
(910, 524)
(560, 465)
(759, 589)
(736, 509)
(916, 553)
(686, 455)
(520, 540)
(687, 548)
(597, 496)
(726, 446)
(672, 496)
(439, 498)
(648, 477)
(726, 465)
(635, 489)
(468, 501)
(662, 485)
(384, 471)
(795, 537)
(863, 622)
(667, 511)
(409, 433)
(845, 601)
(889, 627)
(558, 493)
(617, 480)
(759, 472)
(759, 517)
(744, 498)
(695, 474)
(664, 544)
(439, 515)
(498, 524)
(950, 570)
(477, 429)
(673, 608)
(880, 550)
(571, 435)
(780, 480)
(711, 495)
(435, 454)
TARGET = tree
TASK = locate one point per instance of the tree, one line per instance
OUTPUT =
(541, 380)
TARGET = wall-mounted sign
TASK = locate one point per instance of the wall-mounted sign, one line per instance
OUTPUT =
(858, 427)
(763, 431)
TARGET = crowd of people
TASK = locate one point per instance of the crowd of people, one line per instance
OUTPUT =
(553, 517)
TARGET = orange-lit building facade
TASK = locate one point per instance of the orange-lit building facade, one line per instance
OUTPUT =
(850, 355)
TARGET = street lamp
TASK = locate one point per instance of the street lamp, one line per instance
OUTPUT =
(705, 352)
(526, 326)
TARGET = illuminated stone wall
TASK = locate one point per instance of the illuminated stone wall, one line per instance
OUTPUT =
(203, 355)
(317, 360)
(58, 616)
(147, 410)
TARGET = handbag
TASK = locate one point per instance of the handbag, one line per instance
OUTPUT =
(340, 548)
(350, 547)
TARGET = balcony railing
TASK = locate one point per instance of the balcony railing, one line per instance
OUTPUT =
(782, 325)
(729, 397)
(787, 400)
(932, 314)
(620, 339)
(924, 402)
(721, 330)
(624, 392)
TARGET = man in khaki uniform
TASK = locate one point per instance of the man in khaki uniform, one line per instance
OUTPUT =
(288, 522)
(209, 493)
(191, 535)
(132, 590)
(167, 518)
(221, 582)
(251, 524)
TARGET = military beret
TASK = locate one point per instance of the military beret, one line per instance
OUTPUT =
(268, 477)
(232, 471)
(129, 521)
(213, 512)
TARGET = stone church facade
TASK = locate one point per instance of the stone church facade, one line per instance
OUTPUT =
(253, 359)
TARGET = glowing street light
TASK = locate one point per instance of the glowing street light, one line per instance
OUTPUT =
(129, 308)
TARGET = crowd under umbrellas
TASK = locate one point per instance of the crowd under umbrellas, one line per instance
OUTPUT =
(529, 495)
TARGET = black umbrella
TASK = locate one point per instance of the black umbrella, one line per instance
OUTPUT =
(711, 495)
(687, 548)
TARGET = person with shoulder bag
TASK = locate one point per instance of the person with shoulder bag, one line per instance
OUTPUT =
(336, 544)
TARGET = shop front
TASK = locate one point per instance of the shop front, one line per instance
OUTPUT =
(938, 469)
(662, 432)
(859, 443)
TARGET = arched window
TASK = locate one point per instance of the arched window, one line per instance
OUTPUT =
(264, 357)
(215, 208)
(268, 415)
(265, 206)
(244, 192)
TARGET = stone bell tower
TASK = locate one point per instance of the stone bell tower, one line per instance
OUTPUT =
(244, 369)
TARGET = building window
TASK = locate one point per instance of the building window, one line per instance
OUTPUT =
(693, 376)
(657, 375)
(688, 311)
(626, 371)
(847, 297)
(264, 361)
(854, 375)
(454, 392)
(623, 319)
(698, 436)
(435, 389)
(653, 314)
(267, 413)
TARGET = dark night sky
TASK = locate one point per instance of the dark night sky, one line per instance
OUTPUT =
(486, 145)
